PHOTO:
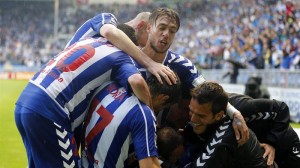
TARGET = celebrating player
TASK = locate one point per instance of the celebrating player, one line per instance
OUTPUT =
(270, 121)
(104, 24)
(53, 103)
(162, 27)
(209, 137)
(118, 119)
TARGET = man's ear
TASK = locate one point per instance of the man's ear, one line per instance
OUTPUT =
(163, 98)
(140, 25)
(148, 28)
(219, 115)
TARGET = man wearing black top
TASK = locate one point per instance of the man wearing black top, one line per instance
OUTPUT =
(209, 137)
(269, 120)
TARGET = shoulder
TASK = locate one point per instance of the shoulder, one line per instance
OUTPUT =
(173, 57)
(177, 61)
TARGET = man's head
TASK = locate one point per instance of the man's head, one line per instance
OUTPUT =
(207, 106)
(139, 24)
(129, 31)
(170, 145)
(163, 95)
(162, 27)
(252, 87)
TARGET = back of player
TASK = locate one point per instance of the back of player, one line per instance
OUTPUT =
(57, 97)
(117, 119)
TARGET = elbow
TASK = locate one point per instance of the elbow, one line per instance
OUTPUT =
(136, 80)
(108, 31)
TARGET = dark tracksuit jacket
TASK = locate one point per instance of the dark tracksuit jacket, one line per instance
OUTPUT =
(269, 120)
(218, 148)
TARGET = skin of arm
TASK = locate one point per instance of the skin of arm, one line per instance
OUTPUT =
(140, 89)
(122, 41)
(149, 162)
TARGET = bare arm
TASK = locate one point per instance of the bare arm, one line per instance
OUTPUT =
(140, 88)
(149, 162)
(122, 41)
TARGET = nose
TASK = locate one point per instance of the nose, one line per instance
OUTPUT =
(166, 33)
(193, 118)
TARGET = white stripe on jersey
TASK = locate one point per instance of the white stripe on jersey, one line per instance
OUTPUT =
(124, 151)
(62, 108)
(104, 102)
(79, 119)
(146, 129)
(108, 134)
(88, 33)
(56, 87)
(41, 76)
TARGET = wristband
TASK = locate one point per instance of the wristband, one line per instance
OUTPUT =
(231, 110)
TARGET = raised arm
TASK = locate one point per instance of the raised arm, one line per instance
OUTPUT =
(121, 40)
(140, 89)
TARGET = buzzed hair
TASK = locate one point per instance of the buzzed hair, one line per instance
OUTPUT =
(158, 12)
(144, 16)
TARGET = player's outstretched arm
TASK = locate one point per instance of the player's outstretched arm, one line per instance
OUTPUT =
(239, 125)
(140, 88)
(122, 41)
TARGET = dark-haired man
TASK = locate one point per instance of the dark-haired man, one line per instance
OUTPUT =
(270, 121)
(163, 25)
(209, 137)
(105, 25)
(117, 120)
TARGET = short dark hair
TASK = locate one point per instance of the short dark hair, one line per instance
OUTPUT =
(129, 31)
(211, 92)
(167, 141)
(173, 91)
(156, 13)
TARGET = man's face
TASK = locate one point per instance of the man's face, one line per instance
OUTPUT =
(201, 116)
(162, 33)
(159, 102)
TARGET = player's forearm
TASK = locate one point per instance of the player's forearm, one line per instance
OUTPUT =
(140, 89)
(150, 162)
(123, 42)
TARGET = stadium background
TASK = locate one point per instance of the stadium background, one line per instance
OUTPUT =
(262, 35)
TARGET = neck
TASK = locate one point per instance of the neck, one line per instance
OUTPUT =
(157, 57)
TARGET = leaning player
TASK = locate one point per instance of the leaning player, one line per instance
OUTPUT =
(104, 24)
(118, 120)
(163, 25)
(53, 103)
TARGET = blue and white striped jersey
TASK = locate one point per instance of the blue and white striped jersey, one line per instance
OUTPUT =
(185, 69)
(70, 79)
(92, 27)
(117, 119)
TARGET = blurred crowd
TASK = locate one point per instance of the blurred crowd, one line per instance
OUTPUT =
(257, 34)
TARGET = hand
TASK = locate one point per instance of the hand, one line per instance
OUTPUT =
(269, 153)
(240, 128)
(160, 70)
